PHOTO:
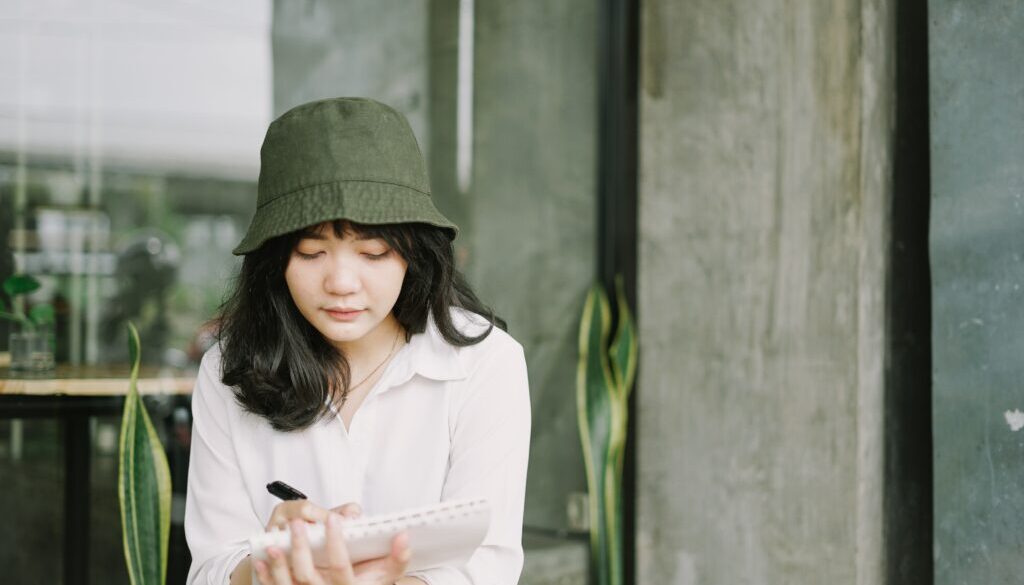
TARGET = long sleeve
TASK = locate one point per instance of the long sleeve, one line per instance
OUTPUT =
(488, 458)
(218, 515)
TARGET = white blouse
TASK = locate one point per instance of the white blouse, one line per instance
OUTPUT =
(443, 422)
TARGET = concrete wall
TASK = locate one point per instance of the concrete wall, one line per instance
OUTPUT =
(764, 194)
(977, 245)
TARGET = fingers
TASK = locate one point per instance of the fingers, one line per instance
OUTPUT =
(298, 565)
(400, 553)
(276, 571)
(303, 570)
(262, 571)
(392, 566)
(285, 512)
(400, 548)
(339, 567)
(349, 510)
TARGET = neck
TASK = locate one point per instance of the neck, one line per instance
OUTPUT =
(374, 346)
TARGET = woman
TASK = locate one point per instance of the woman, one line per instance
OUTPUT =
(354, 364)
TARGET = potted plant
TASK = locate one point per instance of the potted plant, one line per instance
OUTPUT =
(31, 340)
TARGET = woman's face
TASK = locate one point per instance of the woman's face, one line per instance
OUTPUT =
(345, 287)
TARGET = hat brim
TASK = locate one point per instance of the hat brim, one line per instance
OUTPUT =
(367, 202)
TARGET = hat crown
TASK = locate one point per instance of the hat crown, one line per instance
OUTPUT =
(339, 140)
(340, 158)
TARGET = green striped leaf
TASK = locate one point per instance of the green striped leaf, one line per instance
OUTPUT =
(624, 347)
(594, 404)
(604, 381)
(143, 485)
(623, 359)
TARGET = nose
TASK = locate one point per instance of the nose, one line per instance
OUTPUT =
(342, 277)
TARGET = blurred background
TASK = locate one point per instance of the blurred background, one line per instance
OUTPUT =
(817, 209)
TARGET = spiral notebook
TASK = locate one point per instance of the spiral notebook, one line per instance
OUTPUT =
(446, 533)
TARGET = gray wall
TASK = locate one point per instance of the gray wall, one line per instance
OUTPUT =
(765, 139)
(528, 220)
(977, 243)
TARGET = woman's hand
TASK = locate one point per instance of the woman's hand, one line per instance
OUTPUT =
(279, 518)
(285, 512)
(297, 566)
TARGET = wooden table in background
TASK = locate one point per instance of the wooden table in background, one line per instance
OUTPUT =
(74, 394)
(81, 381)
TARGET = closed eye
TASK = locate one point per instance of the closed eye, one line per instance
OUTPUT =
(380, 256)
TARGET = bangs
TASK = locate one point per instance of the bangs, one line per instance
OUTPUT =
(397, 235)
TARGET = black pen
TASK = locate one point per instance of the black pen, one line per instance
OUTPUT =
(284, 491)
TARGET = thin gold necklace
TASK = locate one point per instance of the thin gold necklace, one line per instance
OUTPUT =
(394, 344)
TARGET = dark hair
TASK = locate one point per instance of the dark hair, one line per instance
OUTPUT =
(282, 368)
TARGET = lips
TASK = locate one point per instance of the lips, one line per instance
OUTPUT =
(344, 314)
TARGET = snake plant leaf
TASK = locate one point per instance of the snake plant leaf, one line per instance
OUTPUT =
(143, 486)
(19, 284)
(623, 359)
(612, 500)
(623, 362)
(604, 380)
(594, 402)
(624, 346)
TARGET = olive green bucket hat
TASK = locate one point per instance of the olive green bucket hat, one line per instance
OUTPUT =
(340, 158)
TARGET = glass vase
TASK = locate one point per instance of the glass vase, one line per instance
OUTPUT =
(32, 351)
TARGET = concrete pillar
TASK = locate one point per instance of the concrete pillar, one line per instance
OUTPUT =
(765, 141)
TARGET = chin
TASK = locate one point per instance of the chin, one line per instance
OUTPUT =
(345, 337)
(332, 332)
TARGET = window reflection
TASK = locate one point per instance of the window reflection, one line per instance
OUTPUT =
(109, 124)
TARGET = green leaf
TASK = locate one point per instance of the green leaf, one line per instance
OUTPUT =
(605, 378)
(19, 284)
(41, 314)
(595, 402)
(623, 356)
(624, 346)
(612, 498)
(143, 485)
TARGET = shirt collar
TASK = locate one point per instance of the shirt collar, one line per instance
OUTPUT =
(429, 355)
